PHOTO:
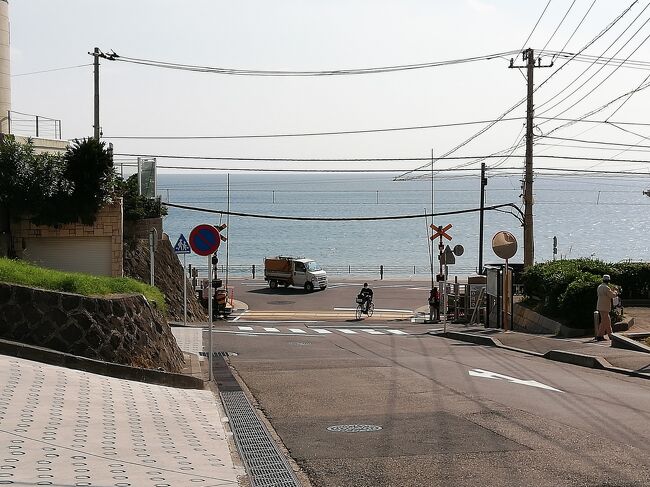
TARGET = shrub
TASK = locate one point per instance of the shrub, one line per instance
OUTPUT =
(566, 289)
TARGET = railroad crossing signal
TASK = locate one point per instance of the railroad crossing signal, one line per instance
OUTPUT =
(440, 231)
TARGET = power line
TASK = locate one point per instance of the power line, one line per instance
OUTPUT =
(578, 26)
(535, 26)
(338, 219)
(589, 92)
(375, 159)
(585, 141)
(51, 70)
(485, 129)
(304, 134)
(334, 72)
(558, 25)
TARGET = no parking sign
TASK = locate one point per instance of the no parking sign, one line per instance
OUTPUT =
(205, 239)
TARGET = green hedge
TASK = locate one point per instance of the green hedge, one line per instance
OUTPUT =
(566, 289)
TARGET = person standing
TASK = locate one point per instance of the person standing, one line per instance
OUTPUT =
(434, 304)
(604, 307)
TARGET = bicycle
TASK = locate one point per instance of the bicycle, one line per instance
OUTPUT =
(368, 309)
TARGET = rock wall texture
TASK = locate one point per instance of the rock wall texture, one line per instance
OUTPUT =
(168, 276)
(122, 329)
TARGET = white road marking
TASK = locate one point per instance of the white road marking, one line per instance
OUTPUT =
(280, 321)
(397, 332)
(493, 375)
(320, 330)
(372, 332)
(297, 330)
(245, 328)
(239, 316)
(271, 329)
(378, 309)
(346, 331)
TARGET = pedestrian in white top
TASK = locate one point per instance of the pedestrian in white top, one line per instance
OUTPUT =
(604, 306)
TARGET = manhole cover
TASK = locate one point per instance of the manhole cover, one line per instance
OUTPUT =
(354, 428)
(299, 344)
(280, 302)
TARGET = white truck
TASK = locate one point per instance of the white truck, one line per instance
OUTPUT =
(294, 271)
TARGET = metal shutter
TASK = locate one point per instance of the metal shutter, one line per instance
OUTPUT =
(91, 255)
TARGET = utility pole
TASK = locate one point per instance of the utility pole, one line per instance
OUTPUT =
(529, 243)
(96, 53)
(481, 219)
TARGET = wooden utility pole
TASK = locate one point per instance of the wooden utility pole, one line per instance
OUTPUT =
(96, 130)
(529, 237)
(481, 219)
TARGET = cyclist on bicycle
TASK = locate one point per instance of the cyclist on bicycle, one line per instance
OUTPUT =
(366, 297)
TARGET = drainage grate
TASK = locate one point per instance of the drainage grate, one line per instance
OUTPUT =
(265, 464)
(219, 354)
(354, 428)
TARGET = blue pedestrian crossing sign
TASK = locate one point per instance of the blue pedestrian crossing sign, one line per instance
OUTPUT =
(182, 247)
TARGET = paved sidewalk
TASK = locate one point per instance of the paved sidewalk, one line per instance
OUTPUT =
(542, 344)
(67, 427)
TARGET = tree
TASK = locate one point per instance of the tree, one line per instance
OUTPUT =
(137, 206)
(55, 189)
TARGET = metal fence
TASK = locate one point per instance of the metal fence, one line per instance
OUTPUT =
(29, 125)
(378, 271)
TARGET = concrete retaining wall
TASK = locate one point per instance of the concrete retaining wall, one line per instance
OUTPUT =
(123, 329)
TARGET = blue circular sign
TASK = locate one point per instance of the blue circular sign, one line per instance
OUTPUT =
(205, 239)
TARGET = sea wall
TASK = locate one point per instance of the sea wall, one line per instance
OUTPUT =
(121, 329)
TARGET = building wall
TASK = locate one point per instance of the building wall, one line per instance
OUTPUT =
(108, 225)
(43, 145)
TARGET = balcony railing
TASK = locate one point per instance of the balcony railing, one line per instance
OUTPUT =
(28, 125)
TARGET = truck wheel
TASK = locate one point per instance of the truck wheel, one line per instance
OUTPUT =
(309, 287)
(273, 284)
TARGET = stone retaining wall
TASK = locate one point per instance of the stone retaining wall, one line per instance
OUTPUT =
(122, 329)
(529, 321)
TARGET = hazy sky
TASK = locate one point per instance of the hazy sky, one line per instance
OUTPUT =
(321, 35)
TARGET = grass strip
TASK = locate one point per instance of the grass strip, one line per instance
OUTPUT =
(20, 272)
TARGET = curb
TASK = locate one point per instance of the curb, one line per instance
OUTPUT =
(563, 356)
(61, 359)
(625, 342)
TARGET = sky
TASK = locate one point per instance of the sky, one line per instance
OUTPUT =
(326, 35)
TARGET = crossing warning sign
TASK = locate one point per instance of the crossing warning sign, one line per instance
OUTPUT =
(182, 247)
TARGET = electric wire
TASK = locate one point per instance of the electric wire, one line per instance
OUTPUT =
(592, 90)
(577, 27)
(51, 70)
(338, 219)
(559, 25)
(535, 26)
(333, 72)
(593, 64)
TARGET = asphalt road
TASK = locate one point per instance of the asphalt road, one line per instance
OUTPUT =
(451, 413)
(397, 295)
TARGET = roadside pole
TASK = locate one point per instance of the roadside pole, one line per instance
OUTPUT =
(184, 292)
(210, 315)
(153, 235)
(442, 285)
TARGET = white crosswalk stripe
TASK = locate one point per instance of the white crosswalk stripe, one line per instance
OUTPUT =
(346, 331)
(271, 329)
(245, 328)
(321, 331)
(372, 332)
(297, 330)
(397, 332)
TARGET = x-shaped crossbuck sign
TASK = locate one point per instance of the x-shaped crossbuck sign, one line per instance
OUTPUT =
(440, 231)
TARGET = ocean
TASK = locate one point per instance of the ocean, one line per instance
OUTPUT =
(603, 218)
